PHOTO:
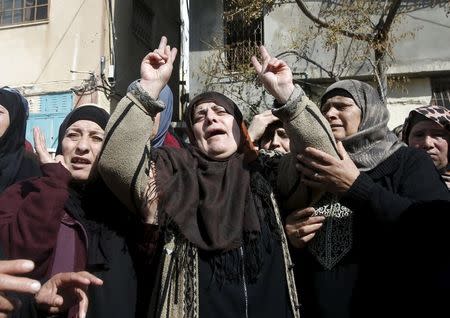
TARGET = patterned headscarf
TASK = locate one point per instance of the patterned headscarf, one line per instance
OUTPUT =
(373, 142)
(440, 115)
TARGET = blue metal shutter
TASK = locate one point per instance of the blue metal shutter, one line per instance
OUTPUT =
(48, 116)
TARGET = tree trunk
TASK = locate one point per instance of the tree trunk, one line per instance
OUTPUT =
(381, 73)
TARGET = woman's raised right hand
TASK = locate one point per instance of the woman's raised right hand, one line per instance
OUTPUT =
(41, 150)
(156, 68)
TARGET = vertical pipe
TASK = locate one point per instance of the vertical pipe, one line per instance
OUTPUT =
(184, 57)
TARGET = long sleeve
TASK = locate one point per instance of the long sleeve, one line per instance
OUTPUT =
(306, 127)
(30, 215)
(124, 161)
(415, 179)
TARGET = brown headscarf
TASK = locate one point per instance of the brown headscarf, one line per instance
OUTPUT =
(374, 142)
(209, 201)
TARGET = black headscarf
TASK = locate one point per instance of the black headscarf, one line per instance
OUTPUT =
(81, 203)
(89, 112)
(373, 142)
(209, 201)
(14, 165)
(109, 229)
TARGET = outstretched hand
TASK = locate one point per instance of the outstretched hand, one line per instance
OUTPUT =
(10, 283)
(275, 75)
(156, 68)
(41, 150)
(66, 290)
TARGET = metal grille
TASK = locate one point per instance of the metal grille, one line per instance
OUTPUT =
(242, 39)
(142, 22)
(441, 91)
(22, 11)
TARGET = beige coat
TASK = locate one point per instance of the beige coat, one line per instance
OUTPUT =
(125, 166)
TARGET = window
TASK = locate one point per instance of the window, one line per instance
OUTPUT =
(242, 37)
(22, 11)
(440, 88)
(142, 22)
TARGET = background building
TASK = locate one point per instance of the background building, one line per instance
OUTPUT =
(419, 72)
(61, 54)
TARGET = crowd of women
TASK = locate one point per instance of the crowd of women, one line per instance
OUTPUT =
(341, 219)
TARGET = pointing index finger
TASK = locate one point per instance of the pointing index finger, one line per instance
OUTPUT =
(162, 43)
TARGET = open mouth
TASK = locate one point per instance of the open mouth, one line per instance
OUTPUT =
(80, 160)
(214, 132)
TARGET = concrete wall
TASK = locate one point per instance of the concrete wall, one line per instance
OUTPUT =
(423, 36)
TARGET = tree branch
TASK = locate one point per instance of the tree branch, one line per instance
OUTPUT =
(377, 76)
(324, 24)
(306, 58)
(382, 33)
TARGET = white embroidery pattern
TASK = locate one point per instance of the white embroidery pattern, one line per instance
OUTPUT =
(334, 240)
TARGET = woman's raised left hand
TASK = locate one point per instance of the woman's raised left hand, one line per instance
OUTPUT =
(323, 171)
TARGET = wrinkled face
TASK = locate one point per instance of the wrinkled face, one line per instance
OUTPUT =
(343, 115)
(216, 131)
(276, 139)
(4, 120)
(80, 148)
(433, 138)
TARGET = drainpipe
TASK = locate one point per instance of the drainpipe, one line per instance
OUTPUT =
(184, 57)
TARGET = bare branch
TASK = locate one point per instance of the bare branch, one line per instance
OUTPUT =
(336, 48)
(324, 24)
(377, 76)
(306, 58)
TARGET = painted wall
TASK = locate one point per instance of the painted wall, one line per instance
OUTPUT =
(40, 57)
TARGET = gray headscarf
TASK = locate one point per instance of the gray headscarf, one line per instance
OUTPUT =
(374, 142)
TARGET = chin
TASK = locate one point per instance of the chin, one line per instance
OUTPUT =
(80, 176)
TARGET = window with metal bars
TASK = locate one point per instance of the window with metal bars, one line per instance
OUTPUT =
(22, 11)
(440, 88)
(143, 22)
(241, 37)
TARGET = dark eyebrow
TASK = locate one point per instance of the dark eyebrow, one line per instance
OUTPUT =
(196, 111)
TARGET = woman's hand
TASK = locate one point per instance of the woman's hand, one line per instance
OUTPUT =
(275, 75)
(156, 68)
(323, 171)
(259, 124)
(301, 226)
(41, 149)
(65, 290)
